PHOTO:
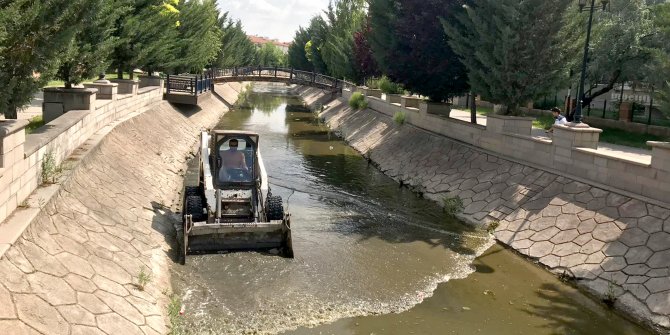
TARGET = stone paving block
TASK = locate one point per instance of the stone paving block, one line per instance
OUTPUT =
(638, 255)
(75, 314)
(591, 247)
(583, 239)
(615, 248)
(659, 241)
(638, 290)
(564, 236)
(17, 327)
(541, 249)
(606, 232)
(573, 260)
(39, 315)
(6, 304)
(634, 237)
(659, 303)
(636, 269)
(616, 200)
(122, 307)
(655, 285)
(633, 209)
(567, 221)
(114, 324)
(545, 235)
(92, 303)
(543, 223)
(658, 212)
(86, 330)
(616, 263)
(586, 226)
(566, 249)
(53, 290)
(660, 260)
(650, 224)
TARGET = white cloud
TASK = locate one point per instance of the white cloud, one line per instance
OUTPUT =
(273, 18)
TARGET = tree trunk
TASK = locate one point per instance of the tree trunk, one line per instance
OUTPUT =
(610, 85)
(12, 112)
(119, 73)
(473, 108)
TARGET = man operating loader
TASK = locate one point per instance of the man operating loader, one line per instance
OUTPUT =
(233, 162)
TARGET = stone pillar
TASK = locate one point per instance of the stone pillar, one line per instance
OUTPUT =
(660, 155)
(12, 163)
(58, 101)
(626, 111)
(509, 124)
(576, 136)
(435, 108)
(106, 91)
(409, 102)
(127, 86)
(393, 98)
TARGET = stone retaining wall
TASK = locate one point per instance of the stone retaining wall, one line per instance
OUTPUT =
(75, 268)
(611, 244)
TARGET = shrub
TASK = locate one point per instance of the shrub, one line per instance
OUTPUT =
(50, 170)
(357, 101)
(493, 226)
(399, 117)
(453, 206)
(373, 83)
(389, 87)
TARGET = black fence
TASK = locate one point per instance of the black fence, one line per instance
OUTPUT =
(189, 84)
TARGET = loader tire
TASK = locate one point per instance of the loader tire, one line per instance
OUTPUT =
(194, 207)
(275, 208)
(191, 191)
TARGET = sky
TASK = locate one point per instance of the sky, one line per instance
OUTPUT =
(273, 18)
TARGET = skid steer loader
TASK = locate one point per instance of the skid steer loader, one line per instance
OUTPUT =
(230, 206)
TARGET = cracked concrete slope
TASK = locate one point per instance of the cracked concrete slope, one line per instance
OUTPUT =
(74, 270)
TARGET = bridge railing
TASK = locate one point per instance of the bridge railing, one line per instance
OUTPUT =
(198, 84)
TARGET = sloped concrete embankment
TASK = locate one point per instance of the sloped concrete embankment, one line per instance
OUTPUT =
(75, 269)
(615, 246)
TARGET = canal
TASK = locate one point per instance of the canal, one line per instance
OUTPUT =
(371, 257)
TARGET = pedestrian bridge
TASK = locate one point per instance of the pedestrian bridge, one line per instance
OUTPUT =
(188, 88)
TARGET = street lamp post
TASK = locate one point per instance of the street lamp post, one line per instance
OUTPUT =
(582, 7)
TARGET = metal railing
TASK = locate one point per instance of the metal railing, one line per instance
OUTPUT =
(198, 84)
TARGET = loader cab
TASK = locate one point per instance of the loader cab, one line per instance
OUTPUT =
(234, 156)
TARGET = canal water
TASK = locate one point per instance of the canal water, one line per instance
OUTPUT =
(370, 257)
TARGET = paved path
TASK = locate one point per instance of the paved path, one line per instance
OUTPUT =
(615, 150)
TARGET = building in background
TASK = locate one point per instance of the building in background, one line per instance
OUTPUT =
(258, 41)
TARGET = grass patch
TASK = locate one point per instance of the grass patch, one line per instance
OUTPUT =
(143, 279)
(34, 123)
(484, 110)
(174, 315)
(543, 122)
(491, 228)
(399, 118)
(357, 101)
(50, 170)
(622, 137)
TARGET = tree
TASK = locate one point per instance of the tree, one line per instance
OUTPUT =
(411, 47)
(236, 48)
(32, 35)
(147, 36)
(318, 31)
(297, 58)
(345, 18)
(88, 53)
(364, 62)
(199, 39)
(270, 55)
(619, 48)
(511, 49)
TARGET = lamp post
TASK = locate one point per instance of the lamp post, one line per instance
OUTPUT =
(582, 7)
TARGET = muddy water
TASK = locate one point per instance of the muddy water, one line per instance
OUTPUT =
(369, 255)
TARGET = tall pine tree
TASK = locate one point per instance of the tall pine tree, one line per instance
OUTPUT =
(32, 36)
(199, 40)
(296, 51)
(512, 49)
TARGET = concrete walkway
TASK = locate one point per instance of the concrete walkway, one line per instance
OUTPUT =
(614, 150)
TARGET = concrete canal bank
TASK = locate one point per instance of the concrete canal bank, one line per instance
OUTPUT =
(95, 258)
(615, 246)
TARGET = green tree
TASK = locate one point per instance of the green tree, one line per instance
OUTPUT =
(345, 18)
(199, 40)
(411, 47)
(147, 36)
(512, 49)
(32, 36)
(620, 45)
(88, 53)
(236, 48)
(297, 58)
(271, 55)
(318, 32)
